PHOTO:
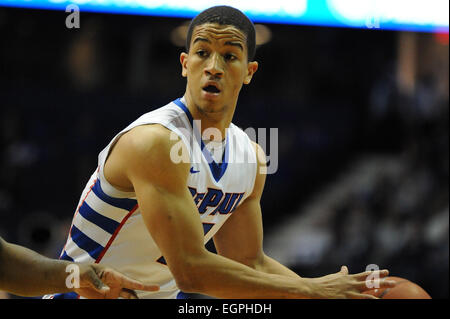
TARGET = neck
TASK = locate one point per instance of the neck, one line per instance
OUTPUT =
(220, 120)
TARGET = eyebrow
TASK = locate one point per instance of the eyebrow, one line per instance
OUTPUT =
(236, 44)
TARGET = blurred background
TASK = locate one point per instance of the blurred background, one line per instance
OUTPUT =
(361, 111)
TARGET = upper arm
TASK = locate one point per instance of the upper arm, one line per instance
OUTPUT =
(163, 197)
(241, 237)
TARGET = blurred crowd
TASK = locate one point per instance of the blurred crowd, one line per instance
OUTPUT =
(337, 96)
(387, 209)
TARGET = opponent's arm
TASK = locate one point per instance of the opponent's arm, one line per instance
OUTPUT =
(27, 273)
(167, 208)
(24, 272)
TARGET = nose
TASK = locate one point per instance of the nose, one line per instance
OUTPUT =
(214, 66)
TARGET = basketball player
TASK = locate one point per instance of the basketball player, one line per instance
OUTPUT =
(164, 187)
(24, 272)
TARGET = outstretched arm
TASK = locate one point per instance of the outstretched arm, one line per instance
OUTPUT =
(241, 239)
(143, 156)
(24, 272)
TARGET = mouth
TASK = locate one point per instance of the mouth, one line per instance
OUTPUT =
(211, 88)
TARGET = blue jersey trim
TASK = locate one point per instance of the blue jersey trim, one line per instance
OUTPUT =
(185, 109)
(67, 295)
(182, 295)
(105, 223)
(124, 203)
(207, 227)
(162, 260)
(217, 169)
(66, 257)
(93, 248)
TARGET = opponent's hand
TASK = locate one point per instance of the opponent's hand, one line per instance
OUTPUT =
(342, 285)
(100, 282)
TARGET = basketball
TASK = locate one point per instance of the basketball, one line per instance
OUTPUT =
(404, 289)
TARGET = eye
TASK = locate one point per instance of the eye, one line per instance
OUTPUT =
(202, 53)
(230, 57)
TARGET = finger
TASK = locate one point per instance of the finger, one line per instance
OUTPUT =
(95, 282)
(344, 270)
(386, 283)
(377, 283)
(128, 294)
(117, 278)
(373, 273)
(149, 287)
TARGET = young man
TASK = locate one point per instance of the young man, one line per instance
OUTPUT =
(160, 191)
(24, 272)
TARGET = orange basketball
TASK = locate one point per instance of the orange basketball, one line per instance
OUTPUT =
(404, 289)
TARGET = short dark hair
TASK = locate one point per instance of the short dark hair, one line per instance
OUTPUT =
(226, 15)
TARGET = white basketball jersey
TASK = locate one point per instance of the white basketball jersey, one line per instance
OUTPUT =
(108, 227)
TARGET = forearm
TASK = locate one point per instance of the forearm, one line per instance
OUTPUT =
(271, 266)
(220, 277)
(26, 273)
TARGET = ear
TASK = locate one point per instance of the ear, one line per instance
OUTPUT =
(251, 69)
(183, 61)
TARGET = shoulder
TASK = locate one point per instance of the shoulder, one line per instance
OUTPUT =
(260, 157)
(144, 137)
(261, 171)
(152, 140)
(260, 154)
(150, 150)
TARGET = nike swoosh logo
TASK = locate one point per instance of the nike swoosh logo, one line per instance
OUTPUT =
(192, 171)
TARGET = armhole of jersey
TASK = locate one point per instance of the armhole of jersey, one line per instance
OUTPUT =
(109, 189)
(255, 158)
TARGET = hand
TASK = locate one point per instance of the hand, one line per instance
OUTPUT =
(100, 282)
(341, 285)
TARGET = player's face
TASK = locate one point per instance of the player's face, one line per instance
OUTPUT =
(216, 66)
